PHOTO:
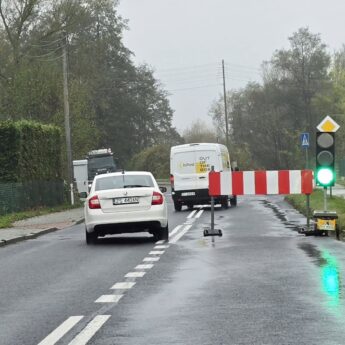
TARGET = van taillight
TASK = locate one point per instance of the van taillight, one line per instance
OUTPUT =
(157, 198)
(172, 181)
(94, 202)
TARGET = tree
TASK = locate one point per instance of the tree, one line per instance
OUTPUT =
(266, 119)
(200, 132)
(154, 159)
(113, 103)
(303, 70)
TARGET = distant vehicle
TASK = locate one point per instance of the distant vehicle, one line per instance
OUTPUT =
(100, 162)
(80, 177)
(189, 168)
(125, 202)
(97, 162)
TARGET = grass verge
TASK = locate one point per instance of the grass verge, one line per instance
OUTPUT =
(334, 203)
(7, 220)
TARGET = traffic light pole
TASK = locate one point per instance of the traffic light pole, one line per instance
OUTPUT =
(325, 198)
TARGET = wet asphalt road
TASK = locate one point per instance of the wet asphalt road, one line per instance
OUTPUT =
(261, 283)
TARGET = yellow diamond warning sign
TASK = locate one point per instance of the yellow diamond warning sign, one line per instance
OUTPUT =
(328, 125)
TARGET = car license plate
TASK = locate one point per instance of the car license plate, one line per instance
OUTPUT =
(188, 194)
(326, 224)
(127, 200)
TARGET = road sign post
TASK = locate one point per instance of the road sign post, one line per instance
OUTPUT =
(305, 144)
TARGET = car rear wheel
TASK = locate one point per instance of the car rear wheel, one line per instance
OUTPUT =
(178, 206)
(233, 201)
(91, 238)
(162, 234)
(225, 203)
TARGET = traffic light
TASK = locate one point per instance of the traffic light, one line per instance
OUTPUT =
(325, 158)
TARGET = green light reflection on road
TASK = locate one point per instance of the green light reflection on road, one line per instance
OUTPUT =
(330, 278)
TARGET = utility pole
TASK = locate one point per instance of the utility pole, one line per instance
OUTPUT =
(67, 118)
(225, 108)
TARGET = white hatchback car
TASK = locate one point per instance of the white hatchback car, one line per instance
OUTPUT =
(124, 202)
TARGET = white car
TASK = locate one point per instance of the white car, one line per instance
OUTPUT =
(124, 202)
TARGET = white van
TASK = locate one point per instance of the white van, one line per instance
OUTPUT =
(189, 168)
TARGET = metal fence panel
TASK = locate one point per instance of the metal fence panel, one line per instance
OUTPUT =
(16, 197)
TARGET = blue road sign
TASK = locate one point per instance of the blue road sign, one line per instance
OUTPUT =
(305, 140)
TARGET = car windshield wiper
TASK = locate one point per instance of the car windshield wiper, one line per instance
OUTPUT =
(134, 186)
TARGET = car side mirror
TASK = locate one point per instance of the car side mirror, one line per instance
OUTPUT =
(163, 189)
(83, 195)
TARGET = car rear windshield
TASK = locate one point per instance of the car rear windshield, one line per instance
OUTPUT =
(124, 181)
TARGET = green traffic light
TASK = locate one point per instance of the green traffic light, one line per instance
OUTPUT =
(325, 176)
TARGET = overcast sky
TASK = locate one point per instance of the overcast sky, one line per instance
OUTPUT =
(186, 40)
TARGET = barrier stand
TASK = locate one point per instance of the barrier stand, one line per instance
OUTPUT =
(212, 231)
(325, 220)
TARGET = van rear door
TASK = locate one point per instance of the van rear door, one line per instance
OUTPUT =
(183, 169)
(204, 160)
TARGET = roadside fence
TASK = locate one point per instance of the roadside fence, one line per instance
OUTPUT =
(21, 196)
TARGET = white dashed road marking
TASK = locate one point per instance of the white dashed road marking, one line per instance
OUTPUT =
(90, 330)
(156, 252)
(160, 242)
(135, 274)
(148, 259)
(123, 285)
(108, 299)
(161, 247)
(59, 332)
(144, 267)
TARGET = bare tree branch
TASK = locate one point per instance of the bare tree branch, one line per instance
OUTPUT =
(8, 31)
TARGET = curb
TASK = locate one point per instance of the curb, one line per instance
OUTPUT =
(34, 235)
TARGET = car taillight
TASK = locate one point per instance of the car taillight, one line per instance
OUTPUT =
(157, 198)
(94, 202)
(172, 181)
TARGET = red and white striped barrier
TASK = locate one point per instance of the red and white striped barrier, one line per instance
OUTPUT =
(260, 182)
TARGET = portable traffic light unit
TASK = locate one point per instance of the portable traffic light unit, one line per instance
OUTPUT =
(325, 220)
(325, 158)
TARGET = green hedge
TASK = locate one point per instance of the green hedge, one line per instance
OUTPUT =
(30, 151)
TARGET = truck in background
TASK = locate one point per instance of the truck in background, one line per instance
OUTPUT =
(190, 165)
(97, 162)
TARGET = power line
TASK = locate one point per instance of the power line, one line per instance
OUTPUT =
(43, 55)
(186, 67)
(194, 88)
(190, 80)
(48, 43)
(183, 69)
(242, 66)
(52, 59)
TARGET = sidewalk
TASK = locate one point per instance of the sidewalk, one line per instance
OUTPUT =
(36, 226)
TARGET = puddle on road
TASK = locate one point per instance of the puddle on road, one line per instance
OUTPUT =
(329, 273)
(281, 215)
